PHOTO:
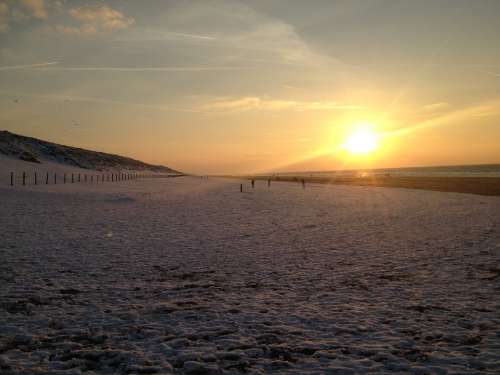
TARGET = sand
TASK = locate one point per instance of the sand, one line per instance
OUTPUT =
(190, 276)
(471, 185)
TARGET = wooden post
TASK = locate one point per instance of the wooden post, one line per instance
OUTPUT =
(11, 178)
(268, 183)
(303, 184)
(241, 188)
(24, 178)
(91, 178)
(72, 178)
(64, 178)
(253, 184)
(55, 178)
(47, 179)
(36, 182)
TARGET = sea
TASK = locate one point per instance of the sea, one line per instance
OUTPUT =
(482, 170)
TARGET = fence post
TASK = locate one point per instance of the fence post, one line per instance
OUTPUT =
(55, 178)
(11, 178)
(79, 177)
(91, 178)
(24, 178)
(64, 178)
(85, 178)
(241, 188)
(36, 182)
(47, 179)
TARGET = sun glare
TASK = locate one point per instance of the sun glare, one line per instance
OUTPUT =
(362, 141)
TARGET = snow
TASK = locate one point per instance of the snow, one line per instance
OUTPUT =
(191, 276)
(18, 167)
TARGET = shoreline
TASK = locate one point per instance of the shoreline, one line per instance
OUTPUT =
(489, 186)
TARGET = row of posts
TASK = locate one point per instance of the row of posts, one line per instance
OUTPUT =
(252, 182)
(110, 177)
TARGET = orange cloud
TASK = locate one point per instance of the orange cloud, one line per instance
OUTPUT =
(36, 8)
(95, 19)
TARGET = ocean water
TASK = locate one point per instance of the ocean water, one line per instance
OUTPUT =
(485, 170)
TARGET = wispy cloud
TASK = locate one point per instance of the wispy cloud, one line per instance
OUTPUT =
(263, 104)
(40, 65)
(97, 100)
(435, 107)
(458, 116)
(145, 68)
(490, 73)
(149, 35)
(54, 66)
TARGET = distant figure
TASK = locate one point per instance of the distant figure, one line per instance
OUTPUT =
(253, 184)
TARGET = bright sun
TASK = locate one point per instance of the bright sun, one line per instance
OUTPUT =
(362, 141)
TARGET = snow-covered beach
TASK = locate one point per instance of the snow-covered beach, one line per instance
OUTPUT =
(191, 276)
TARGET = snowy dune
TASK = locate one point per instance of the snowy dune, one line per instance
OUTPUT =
(190, 276)
(18, 167)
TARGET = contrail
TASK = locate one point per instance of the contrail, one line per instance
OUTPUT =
(150, 69)
(73, 98)
(12, 67)
(489, 73)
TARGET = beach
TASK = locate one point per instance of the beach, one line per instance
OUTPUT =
(470, 185)
(190, 276)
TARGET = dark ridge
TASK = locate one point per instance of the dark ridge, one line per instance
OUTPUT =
(36, 151)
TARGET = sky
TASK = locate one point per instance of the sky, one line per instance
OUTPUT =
(256, 86)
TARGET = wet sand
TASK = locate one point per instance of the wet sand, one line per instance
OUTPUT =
(472, 185)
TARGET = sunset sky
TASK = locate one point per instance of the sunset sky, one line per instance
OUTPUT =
(254, 86)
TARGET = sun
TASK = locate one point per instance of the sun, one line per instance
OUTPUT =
(362, 141)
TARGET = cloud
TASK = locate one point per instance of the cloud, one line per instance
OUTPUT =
(40, 65)
(36, 8)
(4, 12)
(490, 73)
(256, 103)
(98, 100)
(430, 111)
(138, 68)
(457, 116)
(95, 19)
(24, 10)
(435, 107)
(151, 35)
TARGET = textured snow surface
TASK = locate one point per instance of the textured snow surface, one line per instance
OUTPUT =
(190, 276)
